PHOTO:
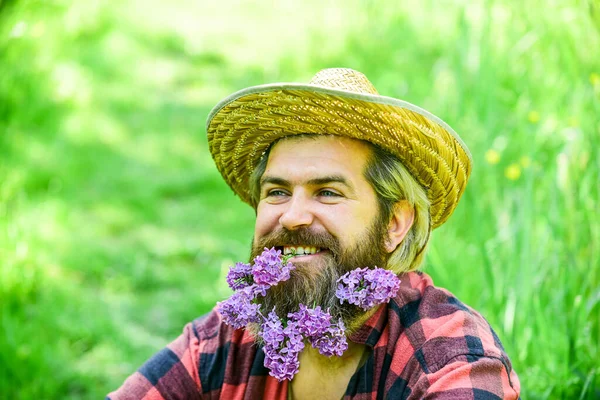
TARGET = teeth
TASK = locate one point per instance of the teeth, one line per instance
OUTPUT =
(300, 250)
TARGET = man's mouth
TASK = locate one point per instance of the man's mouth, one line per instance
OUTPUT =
(300, 250)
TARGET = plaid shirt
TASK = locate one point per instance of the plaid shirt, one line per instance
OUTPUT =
(423, 344)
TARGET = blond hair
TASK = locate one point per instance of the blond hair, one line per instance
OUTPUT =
(393, 183)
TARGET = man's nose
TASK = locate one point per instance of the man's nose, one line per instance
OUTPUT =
(297, 214)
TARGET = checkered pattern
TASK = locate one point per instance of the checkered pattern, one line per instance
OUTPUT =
(423, 344)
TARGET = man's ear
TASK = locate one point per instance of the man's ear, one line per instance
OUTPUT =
(400, 223)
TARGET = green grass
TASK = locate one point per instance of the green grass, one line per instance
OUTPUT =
(116, 229)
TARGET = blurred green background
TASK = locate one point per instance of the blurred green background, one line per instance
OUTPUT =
(116, 228)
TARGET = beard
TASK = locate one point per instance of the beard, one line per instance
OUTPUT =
(315, 283)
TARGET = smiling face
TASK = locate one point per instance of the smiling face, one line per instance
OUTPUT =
(316, 203)
(316, 183)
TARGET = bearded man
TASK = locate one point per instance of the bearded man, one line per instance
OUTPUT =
(340, 178)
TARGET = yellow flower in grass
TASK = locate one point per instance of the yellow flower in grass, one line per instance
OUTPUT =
(533, 117)
(595, 79)
(513, 172)
(525, 162)
(492, 157)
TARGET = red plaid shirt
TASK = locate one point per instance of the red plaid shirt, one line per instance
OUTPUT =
(423, 344)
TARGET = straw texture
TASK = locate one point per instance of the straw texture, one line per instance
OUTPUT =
(339, 102)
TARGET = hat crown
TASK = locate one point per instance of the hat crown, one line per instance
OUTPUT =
(345, 79)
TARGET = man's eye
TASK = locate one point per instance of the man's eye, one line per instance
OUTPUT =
(328, 193)
(276, 193)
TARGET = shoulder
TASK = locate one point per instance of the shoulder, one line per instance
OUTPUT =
(209, 326)
(213, 334)
(441, 332)
(198, 361)
(222, 352)
(214, 339)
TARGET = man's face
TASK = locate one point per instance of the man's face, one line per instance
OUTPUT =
(316, 203)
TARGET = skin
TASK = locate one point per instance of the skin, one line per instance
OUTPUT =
(319, 183)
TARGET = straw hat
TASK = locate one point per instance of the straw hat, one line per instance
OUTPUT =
(341, 102)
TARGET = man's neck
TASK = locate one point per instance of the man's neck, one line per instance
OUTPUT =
(314, 359)
(328, 377)
(325, 377)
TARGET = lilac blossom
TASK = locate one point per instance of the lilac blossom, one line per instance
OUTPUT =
(255, 290)
(295, 340)
(367, 287)
(270, 269)
(240, 276)
(238, 310)
(272, 331)
(281, 365)
(333, 342)
(281, 357)
(312, 322)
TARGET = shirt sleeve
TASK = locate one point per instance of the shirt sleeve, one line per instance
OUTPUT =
(470, 377)
(172, 373)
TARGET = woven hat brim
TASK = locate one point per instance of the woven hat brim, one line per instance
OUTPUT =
(241, 127)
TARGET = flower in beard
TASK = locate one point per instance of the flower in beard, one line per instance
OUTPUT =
(239, 310)
(281, 357)
(295, 341)
(256, 290)
(270, 268)
(249, 282)
(333, 342)
(314, 281)
(312, 322)
(366, 288)
(272, 331)
(281, 365)
(240, 276)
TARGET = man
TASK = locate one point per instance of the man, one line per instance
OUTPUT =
(340, 178)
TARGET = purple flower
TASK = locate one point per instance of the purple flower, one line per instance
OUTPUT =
(312, 322)
(238, 310)
(295, 340)
(281, 357)
(239, 276)
(333, 342)
(269, 268)
(281, 365)
(367, 287)
(254, 290)
(272, 331)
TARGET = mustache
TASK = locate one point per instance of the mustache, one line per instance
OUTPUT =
(299, 237)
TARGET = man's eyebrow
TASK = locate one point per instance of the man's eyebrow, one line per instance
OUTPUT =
(315, 181)
(274, 181)
(330, 179)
